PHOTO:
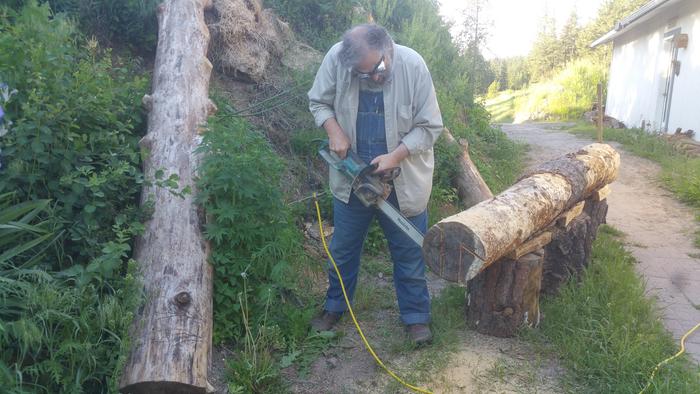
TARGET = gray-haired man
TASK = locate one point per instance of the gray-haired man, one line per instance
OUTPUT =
(377, 98)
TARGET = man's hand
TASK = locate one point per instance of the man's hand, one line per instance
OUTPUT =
(338, 142)
(390, 160)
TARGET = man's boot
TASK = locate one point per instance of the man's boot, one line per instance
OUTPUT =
(325, 321)
(419, 334)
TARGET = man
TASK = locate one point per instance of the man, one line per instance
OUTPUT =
(377, 98)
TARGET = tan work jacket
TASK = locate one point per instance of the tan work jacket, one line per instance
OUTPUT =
(411, 116)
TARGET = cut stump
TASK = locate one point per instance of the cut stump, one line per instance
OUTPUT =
(505, 296)
(569, 252)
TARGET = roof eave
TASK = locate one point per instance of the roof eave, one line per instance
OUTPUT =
(604, 39)
(626, 23)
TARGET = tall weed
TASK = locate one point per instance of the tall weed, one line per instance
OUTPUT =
(249, 225)
(69, 189)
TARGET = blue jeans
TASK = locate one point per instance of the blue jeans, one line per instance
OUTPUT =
(352, 221)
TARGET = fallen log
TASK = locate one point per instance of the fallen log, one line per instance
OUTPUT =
(470, 186)
(171, 335)
(460, 246)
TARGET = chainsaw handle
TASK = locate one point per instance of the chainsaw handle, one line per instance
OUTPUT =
(387, 175)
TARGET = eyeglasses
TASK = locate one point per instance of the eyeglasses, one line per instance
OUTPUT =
(378, 69)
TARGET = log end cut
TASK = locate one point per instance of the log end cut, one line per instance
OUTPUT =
(453, 252)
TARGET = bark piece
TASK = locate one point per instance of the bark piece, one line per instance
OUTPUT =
(460, 246)
(571, 214)
(602, 193)
(505, 296)
(531, 245)
(171, 335)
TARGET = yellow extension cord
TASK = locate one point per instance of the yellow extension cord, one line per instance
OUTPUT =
(352, 314)
(653, 373)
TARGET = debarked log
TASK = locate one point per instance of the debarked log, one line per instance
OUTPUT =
(458, 247)
(171, 333)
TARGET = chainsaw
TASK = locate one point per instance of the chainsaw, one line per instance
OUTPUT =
(370, 187)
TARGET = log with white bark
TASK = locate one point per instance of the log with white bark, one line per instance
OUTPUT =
(460, 246)
(171, 335)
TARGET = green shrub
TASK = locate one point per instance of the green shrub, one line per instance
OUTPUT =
(318, 22)
(248, 223)
(71, 124)
(306, 143)
(76, 122)
(127, 22)
(55, 337)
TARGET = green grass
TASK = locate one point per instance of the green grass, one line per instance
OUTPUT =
(679, 173)
(608, 333)
(565, 96)
(447, 325)
(502, 107)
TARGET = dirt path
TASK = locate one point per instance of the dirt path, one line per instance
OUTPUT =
(472, 363)
(659, 229)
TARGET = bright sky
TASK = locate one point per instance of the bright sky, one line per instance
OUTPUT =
(515, 22)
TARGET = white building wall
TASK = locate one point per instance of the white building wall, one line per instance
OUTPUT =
(685, 104)
(640, 62)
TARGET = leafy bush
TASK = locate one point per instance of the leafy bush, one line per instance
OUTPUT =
(55, 337)
(76, 122)
(306, 143)
(70, 130)
(129, 22)
(318, 22)
(248, 223)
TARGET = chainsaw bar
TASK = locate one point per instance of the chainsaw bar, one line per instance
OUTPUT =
(401, 221)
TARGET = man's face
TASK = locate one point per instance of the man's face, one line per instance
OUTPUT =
(374, 66)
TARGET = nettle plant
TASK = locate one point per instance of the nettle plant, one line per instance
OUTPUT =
(255, 243)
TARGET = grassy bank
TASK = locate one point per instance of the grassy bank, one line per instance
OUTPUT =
(608, 333)
(565, 96)
(502, 107)
(679, 173)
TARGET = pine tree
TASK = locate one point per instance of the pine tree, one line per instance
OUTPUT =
(569, 38)
(546, 52)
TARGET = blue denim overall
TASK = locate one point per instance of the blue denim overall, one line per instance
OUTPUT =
(352, 221)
